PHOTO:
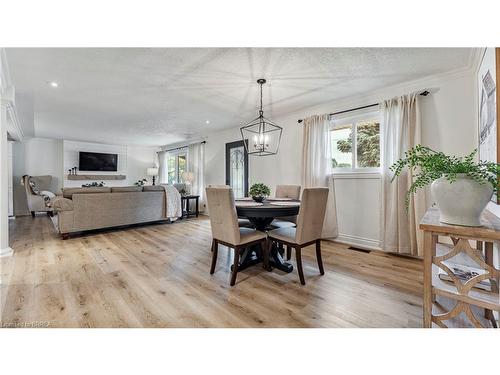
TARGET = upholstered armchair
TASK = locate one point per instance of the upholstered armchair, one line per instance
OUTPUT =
(36, 202)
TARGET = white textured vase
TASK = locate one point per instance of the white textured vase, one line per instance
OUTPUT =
(461, 202)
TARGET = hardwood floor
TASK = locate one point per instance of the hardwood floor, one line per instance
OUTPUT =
(158, 276)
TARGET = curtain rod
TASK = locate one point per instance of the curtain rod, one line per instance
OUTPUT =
(423, 93)
(181, 147)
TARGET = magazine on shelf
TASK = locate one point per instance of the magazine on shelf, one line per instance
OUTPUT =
(464, 274)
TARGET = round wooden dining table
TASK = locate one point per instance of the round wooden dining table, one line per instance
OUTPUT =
(261, 215)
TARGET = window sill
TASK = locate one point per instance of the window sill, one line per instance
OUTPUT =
(357, 175)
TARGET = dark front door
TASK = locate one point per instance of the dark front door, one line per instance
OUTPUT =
(237, 168)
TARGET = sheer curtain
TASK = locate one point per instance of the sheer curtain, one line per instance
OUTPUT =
(163, 167)
(401, 131)
(196, 165)
(317, 165)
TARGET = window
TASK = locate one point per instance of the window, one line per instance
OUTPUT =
(356, 143)
(176, 164)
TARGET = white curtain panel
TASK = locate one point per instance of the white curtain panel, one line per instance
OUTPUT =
(196, 165)
(401, 131)
(163, 167)
(317, 166)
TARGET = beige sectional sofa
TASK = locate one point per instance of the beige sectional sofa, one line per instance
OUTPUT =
(81, 209)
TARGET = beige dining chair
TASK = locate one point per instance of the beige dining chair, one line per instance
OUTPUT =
(290, 192)
(308, 231)
(225, 230)
(242, 222)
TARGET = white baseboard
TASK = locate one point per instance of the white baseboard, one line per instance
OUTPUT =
(361, 242)
(6, 252)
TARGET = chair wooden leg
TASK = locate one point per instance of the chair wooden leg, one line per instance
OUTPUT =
(213, 245)
(32, 213)
(298, 251)
(288, 252)
(215, 250)
(318, 257)
(235, 265)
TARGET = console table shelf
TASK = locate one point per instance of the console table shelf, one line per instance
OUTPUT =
(472, 247)
(96, 177)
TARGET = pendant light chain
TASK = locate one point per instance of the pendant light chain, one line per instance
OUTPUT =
(261, 111)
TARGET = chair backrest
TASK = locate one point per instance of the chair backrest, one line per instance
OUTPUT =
(223, 217)
(288, 191)
(311, 215)
(41, 183)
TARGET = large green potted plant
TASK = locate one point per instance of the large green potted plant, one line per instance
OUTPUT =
(259, 192)
(460, 186)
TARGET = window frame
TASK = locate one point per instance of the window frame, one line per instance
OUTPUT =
(354, 120)
(176, 155)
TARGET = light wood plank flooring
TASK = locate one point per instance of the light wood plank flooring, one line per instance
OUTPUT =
(158, 276)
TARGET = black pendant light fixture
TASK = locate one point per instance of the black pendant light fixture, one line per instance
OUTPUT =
(261, 136)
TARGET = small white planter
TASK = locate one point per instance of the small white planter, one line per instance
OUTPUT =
(461, 202)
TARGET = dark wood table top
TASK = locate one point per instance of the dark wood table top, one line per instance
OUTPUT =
(272, 207)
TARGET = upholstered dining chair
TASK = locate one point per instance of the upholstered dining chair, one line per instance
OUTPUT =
(289, 192)
(242, 222)
(308, 231)
(225, 229)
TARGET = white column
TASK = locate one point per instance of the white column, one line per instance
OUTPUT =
(5, 250)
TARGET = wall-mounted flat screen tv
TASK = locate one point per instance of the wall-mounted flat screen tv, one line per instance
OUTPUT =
(96, 161)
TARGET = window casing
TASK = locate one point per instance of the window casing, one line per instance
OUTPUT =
(355, 143)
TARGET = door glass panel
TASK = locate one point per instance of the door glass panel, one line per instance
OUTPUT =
(237, 171)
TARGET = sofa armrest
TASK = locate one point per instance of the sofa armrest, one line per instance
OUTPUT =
(62, 204)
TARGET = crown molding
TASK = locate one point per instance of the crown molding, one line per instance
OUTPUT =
(475, 58)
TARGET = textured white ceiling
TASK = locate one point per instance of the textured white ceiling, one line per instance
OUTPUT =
(165, 95)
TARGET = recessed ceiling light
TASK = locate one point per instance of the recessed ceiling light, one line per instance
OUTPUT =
(207, 122)
(53, 84)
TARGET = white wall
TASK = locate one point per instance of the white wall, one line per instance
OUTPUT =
(42, 156)
(448, 125)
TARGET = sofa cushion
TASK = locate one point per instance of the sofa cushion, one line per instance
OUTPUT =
(153, 188)
(68, 192)
(125, 189)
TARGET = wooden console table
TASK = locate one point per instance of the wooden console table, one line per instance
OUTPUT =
(479, 255)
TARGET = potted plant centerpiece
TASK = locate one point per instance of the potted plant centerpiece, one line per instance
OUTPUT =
(259, 192)
(460, 186)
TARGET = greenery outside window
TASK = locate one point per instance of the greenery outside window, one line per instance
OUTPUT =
(355, 143)
(176, 164)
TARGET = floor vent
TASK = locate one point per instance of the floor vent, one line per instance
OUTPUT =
(360, 250)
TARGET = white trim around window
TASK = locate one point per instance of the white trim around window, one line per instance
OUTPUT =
(353, 120)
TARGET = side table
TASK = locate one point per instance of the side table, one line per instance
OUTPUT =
(185, 205)
(472, 245)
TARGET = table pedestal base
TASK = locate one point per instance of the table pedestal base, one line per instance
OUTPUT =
(252, 256)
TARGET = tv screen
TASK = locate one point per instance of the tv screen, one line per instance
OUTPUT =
(95, 161)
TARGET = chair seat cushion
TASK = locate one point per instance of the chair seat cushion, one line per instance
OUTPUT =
(278, 223)
(249, 235)
(286, 234)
